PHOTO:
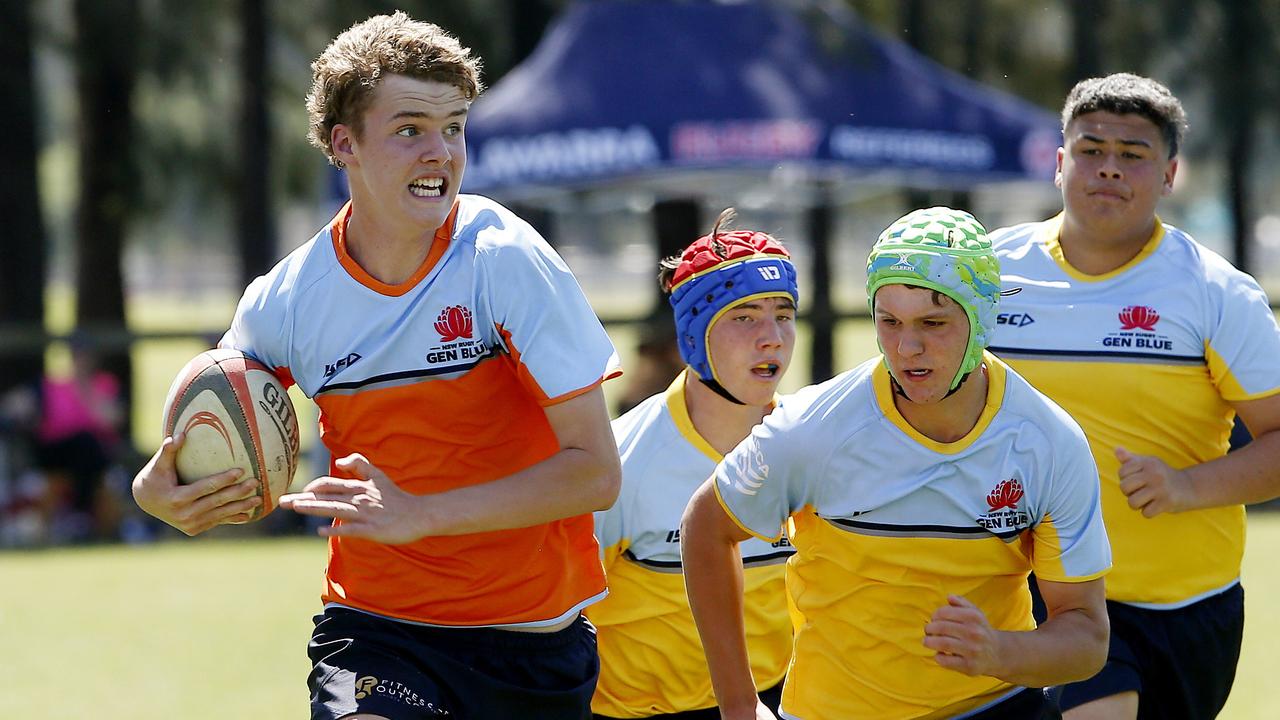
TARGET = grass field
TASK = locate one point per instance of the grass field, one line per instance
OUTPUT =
(215, 628)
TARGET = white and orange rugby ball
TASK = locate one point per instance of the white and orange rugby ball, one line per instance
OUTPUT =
(235, 414)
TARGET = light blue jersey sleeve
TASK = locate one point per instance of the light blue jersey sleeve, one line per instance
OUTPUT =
(260, 327)
(770, 474)
(1070, 540)
(611, 524)
(1243, 348)
(541, 312)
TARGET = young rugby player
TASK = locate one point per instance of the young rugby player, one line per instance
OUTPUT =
(1154, 343)
(734, 295)
(457, 366)
(923, 486)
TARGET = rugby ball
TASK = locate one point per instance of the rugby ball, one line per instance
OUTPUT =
(235, 414)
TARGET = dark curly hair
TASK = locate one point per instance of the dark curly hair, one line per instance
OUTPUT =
(1127, 94)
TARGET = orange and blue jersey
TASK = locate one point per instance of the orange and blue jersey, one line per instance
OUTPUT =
(1150, 357)
(441, 382)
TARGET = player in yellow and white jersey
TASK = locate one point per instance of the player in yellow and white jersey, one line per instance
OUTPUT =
(923, 485)
(1154, 344)
(734, 296)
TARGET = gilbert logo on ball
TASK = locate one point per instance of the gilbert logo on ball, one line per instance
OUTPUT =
(235, 414)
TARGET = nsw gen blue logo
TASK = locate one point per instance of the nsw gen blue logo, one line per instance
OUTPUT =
(1014, 319)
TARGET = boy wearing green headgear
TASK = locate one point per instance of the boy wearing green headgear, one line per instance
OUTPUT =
(921, 488)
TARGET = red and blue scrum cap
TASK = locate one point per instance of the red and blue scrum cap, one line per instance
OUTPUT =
(720, 271)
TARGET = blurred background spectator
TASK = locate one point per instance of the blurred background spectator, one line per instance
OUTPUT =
(73, 489)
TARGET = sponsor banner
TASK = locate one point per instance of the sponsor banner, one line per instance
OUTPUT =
(745, 140)
(567, 155)
(1039, 152)
(942, 150)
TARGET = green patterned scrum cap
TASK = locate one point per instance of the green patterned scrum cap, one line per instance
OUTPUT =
(948, 251)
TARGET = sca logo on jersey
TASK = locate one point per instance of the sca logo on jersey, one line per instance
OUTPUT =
(1014, 319)
(1137, 330)
(1004, 513)
(454, 323)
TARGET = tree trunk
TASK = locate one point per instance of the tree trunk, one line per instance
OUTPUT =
(975, 35)
(255, 231)
(822, 316)
(676, 223)
(529, 20)
(1087, 16)
(22, 291)
(1239, 92)
(106, 66)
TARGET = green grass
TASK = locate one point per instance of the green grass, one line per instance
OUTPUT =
(183, 629)
(214, 628)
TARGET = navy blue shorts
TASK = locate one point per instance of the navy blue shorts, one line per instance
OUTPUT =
(1180, 662)
(1028, 704)
(771, 698)
(362, 663)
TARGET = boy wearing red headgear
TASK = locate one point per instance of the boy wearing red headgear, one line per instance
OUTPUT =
(734, 296)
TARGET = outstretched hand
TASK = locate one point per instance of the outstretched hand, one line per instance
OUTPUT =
(963, 638)
(1152, 485)
(371, 506)
(221, 499)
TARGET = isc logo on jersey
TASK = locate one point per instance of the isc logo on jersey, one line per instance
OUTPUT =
(455, 326)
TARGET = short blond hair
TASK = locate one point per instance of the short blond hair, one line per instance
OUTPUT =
(346, 74)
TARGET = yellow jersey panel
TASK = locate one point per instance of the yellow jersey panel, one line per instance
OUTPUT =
(1148, 357)
(651, 657)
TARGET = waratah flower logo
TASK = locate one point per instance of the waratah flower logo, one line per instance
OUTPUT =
(1139, 316)
(1005, 495)
(454, 323)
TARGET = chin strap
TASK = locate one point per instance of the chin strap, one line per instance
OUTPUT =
(718, 389)
(897, 389)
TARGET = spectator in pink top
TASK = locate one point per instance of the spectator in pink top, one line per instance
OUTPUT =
(77, 440)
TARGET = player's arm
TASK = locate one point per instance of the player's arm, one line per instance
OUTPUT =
(221, 499)
(584, 476)
(1070, 645)
(1248, 475)
(713, 579)
(224, 498)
